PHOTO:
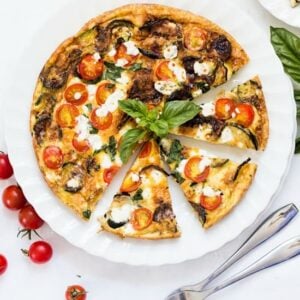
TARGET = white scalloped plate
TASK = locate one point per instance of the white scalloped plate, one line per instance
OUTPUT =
(282, 10)
(194, 242)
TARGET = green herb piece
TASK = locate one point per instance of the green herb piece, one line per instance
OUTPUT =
(93, 130)
(297, 148)
(175, 152)
(134, 108)
(112, 72)
(86, 214)
(89, 106)
(129, 141)
(297, 98)
(138, 195)
(136, 67)
(112, 147)
(287, 47)
(179, 179)
(203, 86)
(159, 127)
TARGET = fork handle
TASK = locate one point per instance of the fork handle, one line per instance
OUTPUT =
(270, 226)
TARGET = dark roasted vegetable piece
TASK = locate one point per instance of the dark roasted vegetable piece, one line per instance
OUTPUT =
(123, 120)
(102, 39)
(91, 165)
(145, 169)
(200, 211)
(162, 212)
(73, 178)
(240, 167)
(87, 214)
(221, 47)
(162, 27)
(188, 63)
(151, 53)
(115, 225)
(119, 23)
(41, 125)
(183, 94)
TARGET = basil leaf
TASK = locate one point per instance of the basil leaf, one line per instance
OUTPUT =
(160, 128)
(93, 130)
(134, 108)
(297, 149)
(138, 195)
(175, 152)
(112, 147)
(129, 141)
(179, 112)
(89, 106)
(179, 179)
(297, 98)
(112, 72)
(136, 67)
(287, 47)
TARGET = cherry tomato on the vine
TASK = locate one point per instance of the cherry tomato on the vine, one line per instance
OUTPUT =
(13, 197)
(29, 219)
(39, 252)
(6, 169)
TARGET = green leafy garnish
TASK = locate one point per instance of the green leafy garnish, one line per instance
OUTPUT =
(89, 106)
(136, 67)
(138, 195)
(179, 179)
(134, 108)
(112, 72)
(86, 214)
(112, 147)
(93, 130)
(287, 47)
(175, 152)
(297, 98)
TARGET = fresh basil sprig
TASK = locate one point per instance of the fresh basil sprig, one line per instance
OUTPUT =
(152, 121)
(287, 47)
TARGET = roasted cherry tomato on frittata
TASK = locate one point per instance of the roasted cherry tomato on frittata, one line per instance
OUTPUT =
(6, 169)
(101, 122)
(66, 115)
(195, 38)
(76, 94)
(39, 252)
(122, 54)
(53, 157)
(91, 67)
(244, 114)
(210, 203)
(80, 145)
(131, 183)
(75, 292)
(104, 90)
(146, 150)
(191, 170)
(3, 264)
(29, 219)
(163, 72)
(13, 197)
(141, 218)
(110, 173)
(224, 107)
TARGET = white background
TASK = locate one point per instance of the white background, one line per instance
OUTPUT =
(19, 20)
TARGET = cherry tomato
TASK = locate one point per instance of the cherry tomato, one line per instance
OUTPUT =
(141, 218)
(104, 90)
(195, 38)
(75, 292)
(39, 252)
(129, 184)
(147, 148)
(29, 219)
(163, 71)
(224, 108)
(244, 114)
(110, 173)
(66, 115)
(13, 197)
(80, 145)
(122, 54)
(6, 169)
(90, 67)
(191, 170)
(101, 123)
(3, 264)
(210, 203)
(76, 94)
(53, 157)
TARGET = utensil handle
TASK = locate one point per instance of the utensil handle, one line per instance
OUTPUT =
(281, 253)
(270, 226)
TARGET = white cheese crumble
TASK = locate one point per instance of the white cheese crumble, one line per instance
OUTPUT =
(95, 141)
(73, 182)
(204, 162)
(178, 71)
(96, 56)
(52, 176)
(106, 161)
(197, 93)
(77, 95)
(147, 193)
(226, 135)
(157, 176)
(92, 88)
(135, 177)
(204, 68)
(210, 192)
(208, 109)
(102, 111)
(112, 52)
(128, 229)
(121, 62)
(166, 87)
(121, 214)
(124, 79)
(181, 166)
(131, 48)
(170, 52)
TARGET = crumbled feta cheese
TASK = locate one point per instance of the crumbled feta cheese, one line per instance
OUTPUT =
(112, 101)
(128, 229)
(135, 177)
(92, 88)
(96, 56)
(204, 68)
(226, 135)
(95, 141)
(208, 109)
(73, 182)
(157, 176)
(181, 166)
(121, 62)
(147, 193)
(166, 87)
(210, 192)
(121, 214)
(106, 161)
(170, 52)
(124, 79)
(178, 71)
(102, 111)
(112, 52)
(131, 48)
(197, 93)
(77, 95)
(204, 162)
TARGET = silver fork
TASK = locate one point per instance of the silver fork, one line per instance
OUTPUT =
(269, 227)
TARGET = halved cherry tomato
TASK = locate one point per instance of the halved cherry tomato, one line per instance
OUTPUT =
(122, 54)
(80, 145)
(76, 94)
(90, 68)
(147, 148)
(195, 38)
(130, 185)
(101, 123)
(75, 292)
(53, 157)
(191, 170)
(66, 115)
(141, 218)
(210, 203)
(104, 90)
(3, 264)
(163, 71)
(224, 107)
(110, 173)
(244, 114)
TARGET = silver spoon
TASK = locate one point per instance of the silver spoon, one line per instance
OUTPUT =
(270, 226)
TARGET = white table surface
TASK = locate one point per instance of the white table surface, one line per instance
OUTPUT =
(19, 20)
